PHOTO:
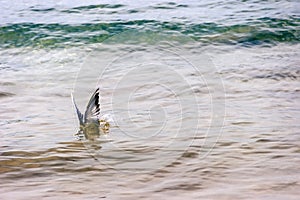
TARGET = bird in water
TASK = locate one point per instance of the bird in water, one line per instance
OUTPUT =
(90, 123)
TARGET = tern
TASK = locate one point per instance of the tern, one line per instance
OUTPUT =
(90, 123)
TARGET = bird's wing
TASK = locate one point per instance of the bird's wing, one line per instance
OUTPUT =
(79, 114)
(92, 111)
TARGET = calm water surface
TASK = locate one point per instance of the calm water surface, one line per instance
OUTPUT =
(202, 98)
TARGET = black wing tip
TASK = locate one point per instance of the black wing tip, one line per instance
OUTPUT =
(97, 101)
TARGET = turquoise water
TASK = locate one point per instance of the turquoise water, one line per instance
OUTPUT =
(212, 22)
(202, 98)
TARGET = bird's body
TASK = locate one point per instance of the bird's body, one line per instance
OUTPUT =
(90, 124)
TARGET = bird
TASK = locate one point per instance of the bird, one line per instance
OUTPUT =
(90, 123)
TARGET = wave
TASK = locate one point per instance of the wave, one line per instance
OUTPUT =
(270, 31)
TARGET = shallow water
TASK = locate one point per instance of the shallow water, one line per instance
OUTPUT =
(202, 98)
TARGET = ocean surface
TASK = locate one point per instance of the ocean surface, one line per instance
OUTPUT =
(202, 98)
